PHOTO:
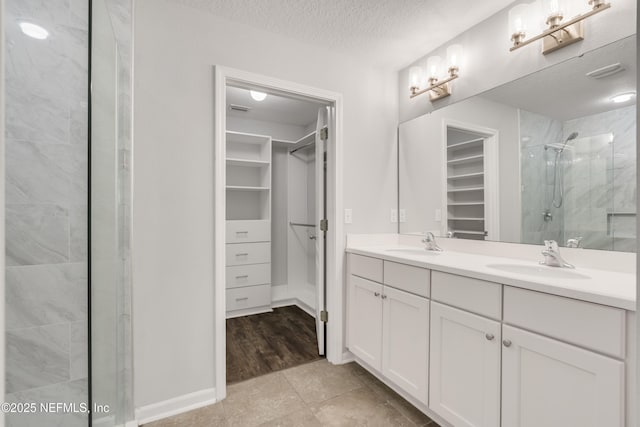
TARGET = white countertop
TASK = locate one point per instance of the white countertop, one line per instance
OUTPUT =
(611, 288)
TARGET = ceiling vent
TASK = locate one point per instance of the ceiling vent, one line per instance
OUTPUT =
(236, 107)
(607, 71)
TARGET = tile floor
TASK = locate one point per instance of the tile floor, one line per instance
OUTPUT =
(315, 394)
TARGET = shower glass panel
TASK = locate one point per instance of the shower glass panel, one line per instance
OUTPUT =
(107, 279)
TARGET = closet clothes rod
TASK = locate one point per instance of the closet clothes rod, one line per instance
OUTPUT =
(301, 224)
(305, 145)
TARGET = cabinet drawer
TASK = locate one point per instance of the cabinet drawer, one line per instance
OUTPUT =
(248, 275)
(248, 253)
(248, 231)
(367, 267)
(477, 296)
(248, 297)
(408, 278)
(586, 324)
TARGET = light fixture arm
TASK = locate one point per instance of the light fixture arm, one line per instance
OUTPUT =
(438, 86)
(551, 31)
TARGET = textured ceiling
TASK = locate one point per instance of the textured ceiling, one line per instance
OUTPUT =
(388, 33)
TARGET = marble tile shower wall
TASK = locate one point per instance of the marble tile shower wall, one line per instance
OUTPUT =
(599, 179)
(537, 178)
(46, 208)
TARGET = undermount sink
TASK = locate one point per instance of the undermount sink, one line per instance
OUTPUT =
(539, 270)
(412, 251)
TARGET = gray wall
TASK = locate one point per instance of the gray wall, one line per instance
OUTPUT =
(46, 208)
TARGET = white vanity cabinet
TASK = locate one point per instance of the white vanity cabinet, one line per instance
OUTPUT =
(388, 328)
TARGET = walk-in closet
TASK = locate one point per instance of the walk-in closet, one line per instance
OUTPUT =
(274, 200)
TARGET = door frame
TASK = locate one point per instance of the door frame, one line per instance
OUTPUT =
(335, 243)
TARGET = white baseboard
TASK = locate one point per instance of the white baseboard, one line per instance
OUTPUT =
(175, 406)
(104, 421)
(294, 301)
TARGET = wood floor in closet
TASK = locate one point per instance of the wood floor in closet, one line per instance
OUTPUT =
(269, 342)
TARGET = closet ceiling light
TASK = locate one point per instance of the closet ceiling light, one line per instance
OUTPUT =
(258, 96)
(33, 30)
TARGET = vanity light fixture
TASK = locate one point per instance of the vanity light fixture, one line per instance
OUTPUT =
(420, 82)
(562, 18)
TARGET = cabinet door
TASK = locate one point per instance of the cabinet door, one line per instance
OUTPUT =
(365, 320)
(549, 383)
(464, 387)
(405, 341)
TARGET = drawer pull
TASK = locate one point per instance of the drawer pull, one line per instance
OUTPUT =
(384, 297)
(506, 343)
(242, 299)
(241, 232)
(242, 254)
(376, 294)
(244, 276)
(490, 337)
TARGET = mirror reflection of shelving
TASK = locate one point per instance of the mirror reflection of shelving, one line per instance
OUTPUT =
(465, 184)
(248, 176)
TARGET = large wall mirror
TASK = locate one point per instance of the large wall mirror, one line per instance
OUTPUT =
(549, 156)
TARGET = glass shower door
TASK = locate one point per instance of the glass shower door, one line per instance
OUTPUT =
(106, 269)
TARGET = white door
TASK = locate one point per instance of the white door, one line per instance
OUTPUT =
(365, 320)
(464, 387)
(548, 383)
(323, 125)
(405, 341)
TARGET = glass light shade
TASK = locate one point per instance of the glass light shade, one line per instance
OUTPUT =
(573, 8)
(454, 55)
(415, 77)
(518, 19)
(434, 66)
(553, 7)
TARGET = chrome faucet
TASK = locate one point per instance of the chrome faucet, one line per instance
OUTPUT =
(574, 243)
(552, 256)
(430, 242)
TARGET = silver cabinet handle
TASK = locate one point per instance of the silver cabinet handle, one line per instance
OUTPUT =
(244, 276)
(384, 297)
(242, 232)
(242, 299)
(506, 343)
(376, 294)
(490, 337)
(242, 254)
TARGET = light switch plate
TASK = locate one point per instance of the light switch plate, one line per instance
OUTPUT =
(394, 215)
(403, 215)
(348, 216)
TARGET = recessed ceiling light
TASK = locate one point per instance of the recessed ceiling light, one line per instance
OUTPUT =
(258, 96)
(623, 97)
(33, 30)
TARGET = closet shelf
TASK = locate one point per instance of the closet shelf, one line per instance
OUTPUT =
(465, 144)
(465, 204)
(462, 189)
(246, 138)
(465, 160)
(482, 233)
(466, 175)
(465, 219)
(246, 188)
(247, 162)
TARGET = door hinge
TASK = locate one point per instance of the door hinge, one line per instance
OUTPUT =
(324, 225)
(324, 133)
(324, 316)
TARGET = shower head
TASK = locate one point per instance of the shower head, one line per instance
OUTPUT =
(571, 137)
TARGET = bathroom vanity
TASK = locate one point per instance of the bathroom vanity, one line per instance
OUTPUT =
(489, 340)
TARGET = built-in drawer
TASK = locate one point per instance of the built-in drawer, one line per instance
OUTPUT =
(248, 231)
(367, 267)
(248, 253)
(594, 326)
(474, 295)
(408, 278)
(248, 275)
(248, 297)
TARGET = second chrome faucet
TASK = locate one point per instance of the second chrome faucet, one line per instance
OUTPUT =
(552, 255)
(430, 242)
